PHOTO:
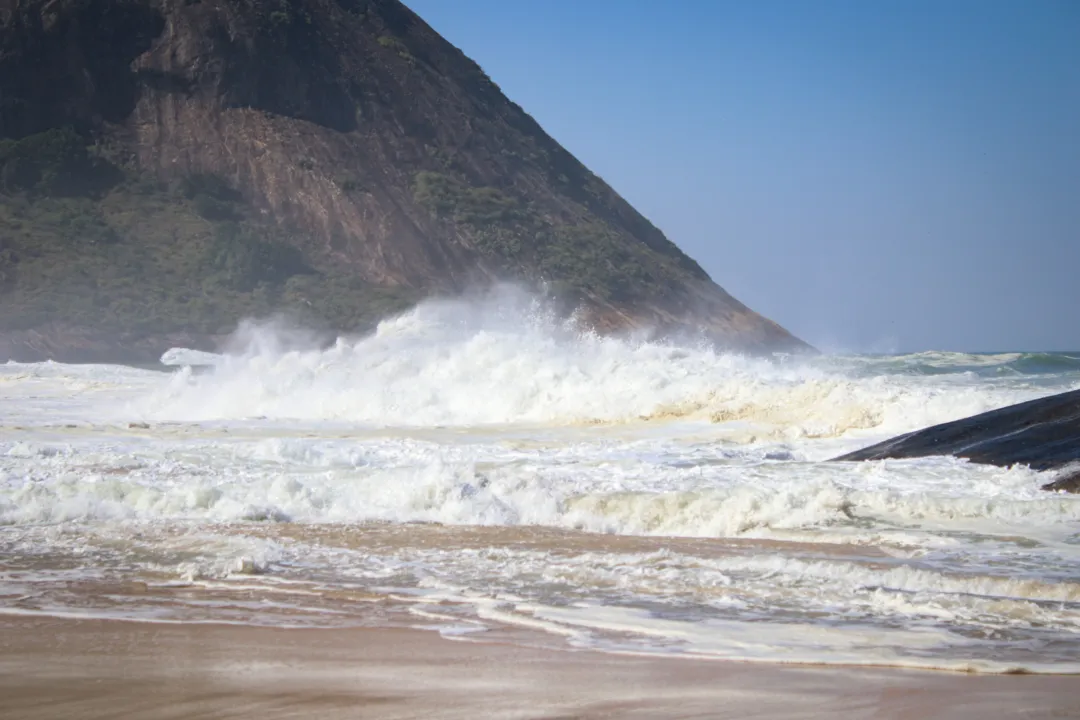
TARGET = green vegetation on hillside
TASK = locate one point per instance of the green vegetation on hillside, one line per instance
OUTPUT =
(580, 258)
(55, 162)
(85, 243)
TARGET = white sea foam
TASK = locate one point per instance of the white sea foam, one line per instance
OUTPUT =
(510, 361)
(179, 357)
(498, 414)
(598, 486)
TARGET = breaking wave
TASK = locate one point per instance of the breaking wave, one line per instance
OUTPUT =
(983, 365)
(599, 468)
(507, 360)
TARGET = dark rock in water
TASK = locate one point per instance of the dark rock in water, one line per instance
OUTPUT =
(1067, 482)
(1043, 434)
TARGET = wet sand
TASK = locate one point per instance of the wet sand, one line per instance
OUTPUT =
(65, 668)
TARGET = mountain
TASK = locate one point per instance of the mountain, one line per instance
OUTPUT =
(168, 167)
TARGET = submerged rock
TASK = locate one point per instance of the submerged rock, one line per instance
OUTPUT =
(1043, 434)
(1068, 481)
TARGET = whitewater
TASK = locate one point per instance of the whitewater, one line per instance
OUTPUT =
(488, 470)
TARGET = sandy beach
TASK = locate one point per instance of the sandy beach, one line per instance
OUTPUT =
(65, 668)
(263, 542)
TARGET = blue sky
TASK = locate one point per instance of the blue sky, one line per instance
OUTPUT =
(875, 175)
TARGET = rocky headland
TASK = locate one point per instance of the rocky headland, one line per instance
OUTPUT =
(169, 167)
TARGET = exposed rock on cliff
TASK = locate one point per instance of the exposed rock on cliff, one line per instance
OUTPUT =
(169, 166)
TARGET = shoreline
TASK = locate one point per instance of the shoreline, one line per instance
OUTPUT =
(54, 667)
(526, 638)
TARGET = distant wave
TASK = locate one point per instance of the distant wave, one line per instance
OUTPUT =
(982, 364)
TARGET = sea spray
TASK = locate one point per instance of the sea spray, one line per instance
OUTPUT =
(509, 359)
(486, 463)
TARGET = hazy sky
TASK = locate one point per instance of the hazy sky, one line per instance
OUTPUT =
(871, 174)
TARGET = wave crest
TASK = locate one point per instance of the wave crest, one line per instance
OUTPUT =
(508, 359)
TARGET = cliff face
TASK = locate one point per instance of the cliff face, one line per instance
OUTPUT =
(336, 156)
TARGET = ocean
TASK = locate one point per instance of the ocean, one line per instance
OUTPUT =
(492, 473)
